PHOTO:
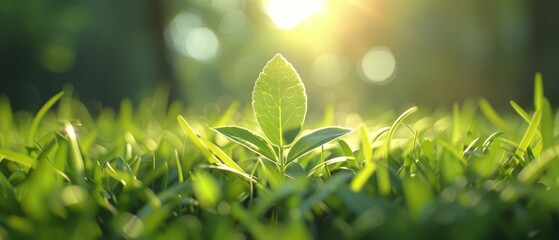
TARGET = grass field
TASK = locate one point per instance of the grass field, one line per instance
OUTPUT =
(160, 171)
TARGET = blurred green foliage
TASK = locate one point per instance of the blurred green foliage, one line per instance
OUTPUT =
(134, 174)
(443, 51)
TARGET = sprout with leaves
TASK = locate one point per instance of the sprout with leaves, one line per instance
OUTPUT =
(279, 102)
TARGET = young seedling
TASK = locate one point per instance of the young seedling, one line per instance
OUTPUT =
(279, 103)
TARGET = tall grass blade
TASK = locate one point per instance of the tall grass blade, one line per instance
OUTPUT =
(492, 115)
(179, 167)
(370, 167)
(196, 140)
(77, 163)
(528, 135)
(456, 123)
(37, 120)
(383, 175)
(222, 155)
(226, 116)
(327, 163)
(366, 148)
(546, 126)
(523, 114)
(538, 91)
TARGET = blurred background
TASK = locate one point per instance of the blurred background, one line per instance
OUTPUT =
(359, 52)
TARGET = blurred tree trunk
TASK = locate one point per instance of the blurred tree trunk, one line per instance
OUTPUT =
(157, 28)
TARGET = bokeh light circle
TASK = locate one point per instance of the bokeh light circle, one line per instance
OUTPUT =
(378, 65)
(188, 36)
(202, 44)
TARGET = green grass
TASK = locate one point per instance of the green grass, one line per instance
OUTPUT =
(465, 173)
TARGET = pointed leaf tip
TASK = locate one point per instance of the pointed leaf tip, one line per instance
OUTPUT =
(314, 140)
(279, 101)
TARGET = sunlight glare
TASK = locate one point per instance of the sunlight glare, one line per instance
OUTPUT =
(287, 14)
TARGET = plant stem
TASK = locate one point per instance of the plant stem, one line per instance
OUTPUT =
(281, 161)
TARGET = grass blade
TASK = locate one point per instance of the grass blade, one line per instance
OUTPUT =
(492, 115)
(535, 168)
(196, 140)
(456, 123)
(546, 126)
(383, 175)
(37, 120)
(179, 167)
(78, 164)
(365, 145)
(370, 167)
(227, 114)
(327, 163)
(538, 91)
(520, 111)
(19, 158)
(528, 135)
(348, 153)
(221, 155)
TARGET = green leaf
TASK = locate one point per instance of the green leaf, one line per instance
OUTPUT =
(279, 101)
(315, 139)
(249, 139)
(17, 157)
